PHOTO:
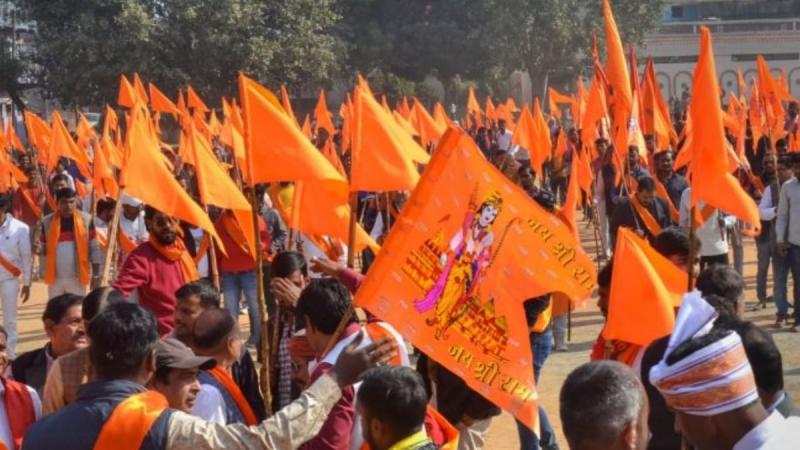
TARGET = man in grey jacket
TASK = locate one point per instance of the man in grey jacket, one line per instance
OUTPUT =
(787, 228)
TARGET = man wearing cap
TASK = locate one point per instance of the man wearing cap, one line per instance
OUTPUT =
(15, 262)
(706, 379)
(131, 222)
(70, 251)
(177, 368)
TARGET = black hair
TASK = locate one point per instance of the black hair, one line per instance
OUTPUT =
(106, 204)
(694, 344)
(764, 356)
(598, 401)
(58, 177)
(325, 302)
(122, 336)
(150, 212)
(604, 276)
(672, 241)
(204, 290)
(396, 396)
(98, 300)
(725, 309)
(58, 306)
(545, 198)
(65, 193)
(162, 374)
(3, 331)
(211, 327)
(286, 263)
(722, 280)
(645, 183)
(5, 200)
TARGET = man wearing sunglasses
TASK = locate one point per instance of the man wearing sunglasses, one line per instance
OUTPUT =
(157, 268)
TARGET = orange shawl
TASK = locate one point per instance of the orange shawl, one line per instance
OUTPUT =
(11, 268)
(661, 191)
(130, 421)
(26, 195)
(81, 240)
(649, 221)
(234, 230)
(177, 252)
(226, 380)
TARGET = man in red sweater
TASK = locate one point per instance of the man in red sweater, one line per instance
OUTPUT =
(237, 269)
(157, 268)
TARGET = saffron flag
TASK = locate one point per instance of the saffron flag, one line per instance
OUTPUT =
(127, 95)
(62, 145)
(473, 107)
(194, 101)
(323, 115)
(455, 270)
(160, 102)
(286, 104)
(12, 140)
(616, 70)
(533, 134)
(645, 289)
(430, 130)
(711, 180)
(555, 98)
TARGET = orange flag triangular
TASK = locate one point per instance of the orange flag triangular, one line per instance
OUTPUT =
(127, 95)
(286, 103)
(646, 288)
(616, 70)
(711, 181)
(568, 210)
(138, 86)
(194, 101)
(62, 145)
(323, 115)
(160, 102)
(430, 128)
(12, 140)
(533, 134)
(383, 153)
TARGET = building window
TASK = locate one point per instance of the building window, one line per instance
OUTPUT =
(677, 12)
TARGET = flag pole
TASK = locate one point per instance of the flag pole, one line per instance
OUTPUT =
(692, 247)
(351, 240)
(111, 247)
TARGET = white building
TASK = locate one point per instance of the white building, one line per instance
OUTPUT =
(741, 30)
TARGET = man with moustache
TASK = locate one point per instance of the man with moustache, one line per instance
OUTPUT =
(157, 268)
(177, 369)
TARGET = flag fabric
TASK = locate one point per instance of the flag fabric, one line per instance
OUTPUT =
(646, 287)
(160, 102)
(711, 180)
(771, 95)
(473, 107)
(286, 104)
(384, 155)
(270, 135)
(656, 119)
(569, 209)
(455, 270)
(556, 98)
(616, 70)
(12, 140)
(127, 96)
(103, 180)
(323, 115)
(145, 176)
(194, 101)
(533, 134)
(62, 145)
(430, 129)
(138, 86)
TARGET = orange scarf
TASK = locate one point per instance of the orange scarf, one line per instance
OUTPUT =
(177, 252)
(12, 269)
(661, 191)
(125, 243)
(234, 230)
(227, 382)
(649, 221)
(702, 215)
(18, 399)
(205, 242)
(26, 195)
(130, 422)
(81, 240)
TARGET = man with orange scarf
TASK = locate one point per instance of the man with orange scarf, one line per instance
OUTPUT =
(157, 268)
(70, 249)
(643, 212)
(15, 262)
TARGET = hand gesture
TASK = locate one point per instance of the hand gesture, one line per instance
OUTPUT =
(353, 362)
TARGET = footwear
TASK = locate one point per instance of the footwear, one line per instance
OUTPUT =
(778, 323)
(562, 348)
(794, 329)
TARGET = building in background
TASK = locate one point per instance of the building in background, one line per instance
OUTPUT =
(741, 30)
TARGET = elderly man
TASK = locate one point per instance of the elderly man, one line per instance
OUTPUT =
(706, 379)
(603, 406)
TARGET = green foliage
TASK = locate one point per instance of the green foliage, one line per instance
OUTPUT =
(84, 46)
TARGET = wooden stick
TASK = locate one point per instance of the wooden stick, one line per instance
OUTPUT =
(692, 247)
(112, 239)
(337, 334)
(262, 309)
(351, 241)
(212, 262)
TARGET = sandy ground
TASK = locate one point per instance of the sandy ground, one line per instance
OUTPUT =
(586, 324)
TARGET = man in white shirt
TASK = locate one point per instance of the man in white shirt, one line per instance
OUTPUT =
(503, 136)
(712, 234)
(131, 222)
(15, 262)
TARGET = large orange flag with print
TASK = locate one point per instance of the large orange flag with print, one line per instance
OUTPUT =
(455, 270)
(711, 180)
(646, 288)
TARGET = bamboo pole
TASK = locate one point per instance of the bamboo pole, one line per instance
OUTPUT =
(111, 248)
(692, 248)
(351, 241)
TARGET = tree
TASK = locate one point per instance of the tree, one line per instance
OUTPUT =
(12, 70)
(205, 43)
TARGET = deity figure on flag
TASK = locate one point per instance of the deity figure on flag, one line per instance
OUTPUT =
(463, 264)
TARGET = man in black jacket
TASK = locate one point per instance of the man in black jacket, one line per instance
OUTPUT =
(643, 212)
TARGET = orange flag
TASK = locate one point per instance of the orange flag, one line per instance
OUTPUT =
(383, 153)
(329, 152)
(214, 126)
(646, 288)
(286, 104)
(145, 176)
(585, 178)
(568, 210)
(306, 128)
(138, 86)
(771, 98)
(473, 107)
(556, 98)
(194, 101)
(596, 109)
(270, 135)
(160, 102)
(38, 133)
(655, 115)
(491, 112)
(62, 145)
(467, 221)
(405, 108)
(428, 126)
(440, 115)
(711, 181)
(12, 140)
(616, 70)
(85, 132)
(533, 134)
(103, 180)
(217, 188)
(127, 95)
(323, 115)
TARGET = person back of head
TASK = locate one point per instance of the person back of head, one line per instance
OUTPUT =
(284, 264)
(321, 306)
(391, 403)
(98, 300)
(123, 342)
(723, 281)
(603, 406)
(765, 360)
(673, 244)
(215, 334)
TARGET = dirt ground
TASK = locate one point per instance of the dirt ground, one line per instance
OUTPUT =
(586, 324)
